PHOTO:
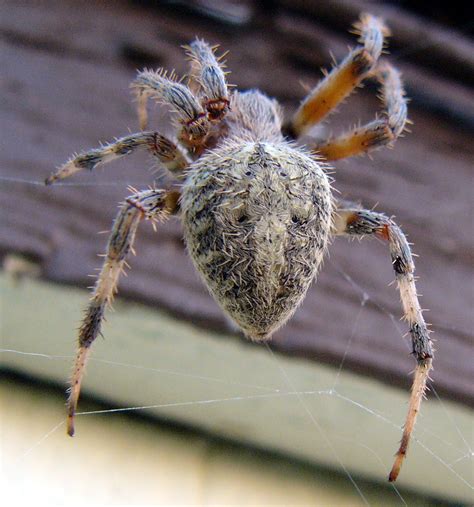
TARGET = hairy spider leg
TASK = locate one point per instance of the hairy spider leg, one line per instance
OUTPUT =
(169, 92)
(159, 146)
(378, 133)
(148, 204)
(360, 223)
(207, 79)
(343, 79)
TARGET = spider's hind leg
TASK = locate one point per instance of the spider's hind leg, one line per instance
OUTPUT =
(380, 132)
(149, 204)
(360, 222)
(342, 80)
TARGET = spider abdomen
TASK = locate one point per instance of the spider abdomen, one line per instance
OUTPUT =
(257, 218)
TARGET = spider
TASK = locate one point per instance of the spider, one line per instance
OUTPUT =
(257, 208)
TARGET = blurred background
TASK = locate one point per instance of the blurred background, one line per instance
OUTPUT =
(177, 407)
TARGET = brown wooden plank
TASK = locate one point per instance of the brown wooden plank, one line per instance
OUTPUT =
(65, 87)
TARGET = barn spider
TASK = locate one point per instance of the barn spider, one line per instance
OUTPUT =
(257, 208)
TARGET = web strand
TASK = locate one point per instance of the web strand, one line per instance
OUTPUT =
(139, 367)
(14, 180)
(318, 426)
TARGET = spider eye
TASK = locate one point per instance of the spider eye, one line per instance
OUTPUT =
(242, 219)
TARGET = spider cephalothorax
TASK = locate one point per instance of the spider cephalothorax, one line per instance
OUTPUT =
(257, 208)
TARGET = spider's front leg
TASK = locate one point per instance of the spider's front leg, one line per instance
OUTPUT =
(358, 222)
(207, 79)
(197, 106)
(179, 98)
(149, 204)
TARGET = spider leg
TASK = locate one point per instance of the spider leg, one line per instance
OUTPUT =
(149, 204)
(159, 146)
(166, 90)
(207, 79)
(343, 79)
(378, 133)
(358, 222)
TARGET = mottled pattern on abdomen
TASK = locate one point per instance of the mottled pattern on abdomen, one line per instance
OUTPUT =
(257, 229)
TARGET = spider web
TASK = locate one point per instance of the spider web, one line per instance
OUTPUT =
(288, 390)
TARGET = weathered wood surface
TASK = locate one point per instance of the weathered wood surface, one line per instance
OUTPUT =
(66, 67)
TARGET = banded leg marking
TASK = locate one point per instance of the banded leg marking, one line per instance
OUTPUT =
(149, 204)
(363, 222)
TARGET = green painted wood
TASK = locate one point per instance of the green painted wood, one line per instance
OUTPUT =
(237, 390)
(125, 460)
